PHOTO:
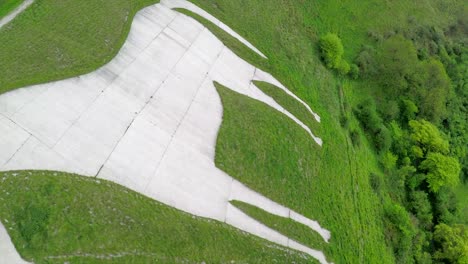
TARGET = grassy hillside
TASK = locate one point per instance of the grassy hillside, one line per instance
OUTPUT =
(55, 40)
(379, 210)
(62, 218)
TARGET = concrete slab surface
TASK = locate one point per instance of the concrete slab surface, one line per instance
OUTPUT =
(149, 120)
(197, 10)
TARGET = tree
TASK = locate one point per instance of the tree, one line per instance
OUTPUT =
(427, 137)
(366, 62)
(332, 50)
(430, 89)
(445, 206)
(453, 242)
(397, 60)
(367, 114)
(441, 170)
(409, 110)
(421, 207)
(389, 160)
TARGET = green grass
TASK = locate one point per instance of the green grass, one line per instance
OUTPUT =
(290, 228)
(57, 214)
(6, 6)
(54, 40)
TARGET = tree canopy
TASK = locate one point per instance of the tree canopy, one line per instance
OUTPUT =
(397, 60)
(402, 75)
(427, 137)
(430, 89)
(453, 243)
(441, 170)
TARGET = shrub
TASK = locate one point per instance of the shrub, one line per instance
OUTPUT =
(398, 216)
(354, 71)
(389, 160)
(331, 50)
(367, 115)
(343, 67)
(355, 138)
(390, 110)
(344, 121)
(399, 231)
(415, 180)
(373, 125)
(406, 173)
(376, 182)
(366, 61)
(445, 206)
(382, 139)
(409, 110)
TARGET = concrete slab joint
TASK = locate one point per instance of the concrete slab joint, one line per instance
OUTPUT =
(149, 120)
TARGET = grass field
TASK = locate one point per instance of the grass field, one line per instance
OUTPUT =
(62, 218)
(6, 6)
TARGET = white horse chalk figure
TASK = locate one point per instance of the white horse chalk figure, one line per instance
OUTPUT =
(149, 120)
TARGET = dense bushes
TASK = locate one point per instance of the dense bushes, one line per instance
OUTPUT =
(372, 123)
(402, 77)
(421, 91)
(453, 243)
(422, 208)
(445, 206)
(399, 231)
(432, 149)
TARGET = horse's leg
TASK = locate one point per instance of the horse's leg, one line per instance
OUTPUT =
(237, 218)
(242, 193)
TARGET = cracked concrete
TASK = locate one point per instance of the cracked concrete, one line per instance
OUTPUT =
(149, 120)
